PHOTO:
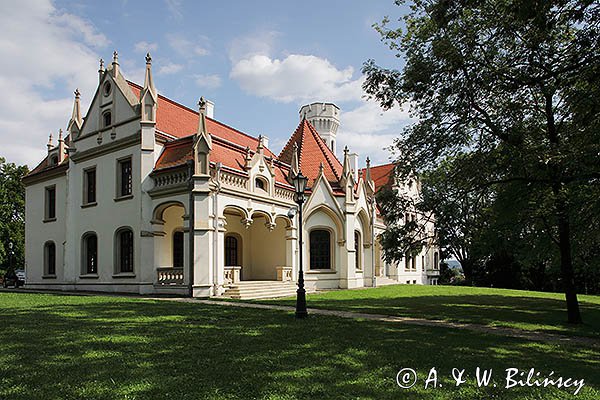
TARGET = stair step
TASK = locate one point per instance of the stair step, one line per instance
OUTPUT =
(260, 290)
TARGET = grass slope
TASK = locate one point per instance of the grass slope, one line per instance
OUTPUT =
(78, 347)
(521, 309)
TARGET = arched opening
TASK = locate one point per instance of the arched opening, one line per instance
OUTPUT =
(49, 258)
(320, 249)
(89, 245)
(233, 250)
(436, 260)
(107, 119)
(124, 251)
(254, 244)
(358, 250)
(169, 235)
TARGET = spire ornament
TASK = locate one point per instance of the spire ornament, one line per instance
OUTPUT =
(115, 64)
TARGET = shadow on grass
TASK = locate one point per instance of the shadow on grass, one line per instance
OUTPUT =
(56, 347)
(530, 313)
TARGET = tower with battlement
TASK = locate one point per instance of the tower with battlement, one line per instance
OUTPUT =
(325, 117)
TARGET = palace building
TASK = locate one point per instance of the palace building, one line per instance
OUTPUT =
(144, 195)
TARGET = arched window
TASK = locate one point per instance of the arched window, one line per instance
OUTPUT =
(50, 258)
(106, 89)
(357, 252)
(178, 249)
(231, 251)
(436, 260)
(320, 249)
(107, 118)
(54, 160)
(90, 253)
(124, 248)
(260, 184)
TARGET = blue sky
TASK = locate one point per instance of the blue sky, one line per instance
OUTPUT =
(258, 61)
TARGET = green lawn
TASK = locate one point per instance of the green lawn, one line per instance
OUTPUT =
(537, 311)
(80, 347)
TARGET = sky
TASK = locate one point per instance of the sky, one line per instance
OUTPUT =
(258, 61)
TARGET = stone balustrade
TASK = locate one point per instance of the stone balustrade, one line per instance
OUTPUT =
(169, 276)
(173, 178)
(284, 274)
(232, 274)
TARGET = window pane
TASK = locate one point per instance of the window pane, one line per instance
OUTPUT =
(126, 183)
(357, 250)
(231, 251)
(91, 186)
(178, 250)
(320, 249)
(51, 259)
(126, 251)
(91, 254)
(51, 205)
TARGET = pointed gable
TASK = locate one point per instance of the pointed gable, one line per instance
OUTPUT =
(382, 175)
(312, 151)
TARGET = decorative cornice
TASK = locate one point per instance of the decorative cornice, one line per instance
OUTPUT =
(108, 148)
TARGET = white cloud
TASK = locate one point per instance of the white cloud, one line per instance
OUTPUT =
(169, 68)
(296, 78)
(369, 131)
(208, 81)
(42, 52)
(186, 47)
(145, 47)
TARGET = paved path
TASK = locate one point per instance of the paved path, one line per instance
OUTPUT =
(502, 331)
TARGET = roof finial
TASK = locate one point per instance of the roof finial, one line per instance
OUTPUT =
(295, 164)
(50, 145)
(321, 167)
(101, 70)
(115, 63)
(260, 145)
(149, 104)
(60, 136)
(75, 120)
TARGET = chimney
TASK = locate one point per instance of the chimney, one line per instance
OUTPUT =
(354, 165)
(210, 109)
(265, 140)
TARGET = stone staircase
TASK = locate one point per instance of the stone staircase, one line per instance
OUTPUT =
(260, 290)
(384, 281)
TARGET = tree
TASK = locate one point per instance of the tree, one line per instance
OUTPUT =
(12, 213)
(513, 83)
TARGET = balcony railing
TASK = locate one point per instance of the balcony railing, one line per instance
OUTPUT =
(169, 276)
(433, 272)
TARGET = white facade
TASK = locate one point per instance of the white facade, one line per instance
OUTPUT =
(192, 212)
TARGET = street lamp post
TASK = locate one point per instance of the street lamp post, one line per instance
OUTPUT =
(300, 185)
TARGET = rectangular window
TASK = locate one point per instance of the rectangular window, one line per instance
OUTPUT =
(89, 186)
(124, 178)
(50, 206)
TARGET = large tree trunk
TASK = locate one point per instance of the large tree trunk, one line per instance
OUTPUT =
(566, 260)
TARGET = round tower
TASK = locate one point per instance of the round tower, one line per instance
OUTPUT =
(325, 117)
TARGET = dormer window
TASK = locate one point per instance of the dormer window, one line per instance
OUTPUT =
(260, 184)
(106, 89)
(107, 118)
(54, 160)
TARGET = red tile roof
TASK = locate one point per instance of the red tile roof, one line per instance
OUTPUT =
(312, 151)
(382, 175)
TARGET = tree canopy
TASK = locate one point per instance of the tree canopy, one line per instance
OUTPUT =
(12, 213)
(511, 87)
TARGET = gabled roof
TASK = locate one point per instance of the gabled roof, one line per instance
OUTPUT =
(312, 151)
(180, 121)
(382, 175)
